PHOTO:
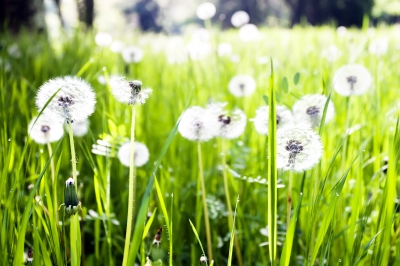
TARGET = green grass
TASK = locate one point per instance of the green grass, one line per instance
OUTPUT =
(344, 209)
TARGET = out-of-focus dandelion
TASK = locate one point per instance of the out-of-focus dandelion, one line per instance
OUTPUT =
(341, 31)
(284, 118)
(310, 109)
(198, 50)
(197, 124)
(242, 85)
(80, 128)
(103, 39)
(235, 58)
(5, 65)
(331, 53)
(117, 46)
(45, 130)
(157, 237)
(74, 99)
(141, 154)
(239, 18)
(352, 79)
(201, 35)
(14, 51)
(205, 10)
(249, 33)
(378, 46)
(101, 79)
(230, 126)
(224, 49)
(132, 54)
(128, 92)
(299, 148)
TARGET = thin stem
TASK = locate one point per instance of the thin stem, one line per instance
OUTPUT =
(54, 184)
(228, 203)
(203, 194)
(289, 200)
(131, 197)
(73, 155)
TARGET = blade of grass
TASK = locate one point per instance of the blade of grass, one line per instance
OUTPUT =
(232, 235)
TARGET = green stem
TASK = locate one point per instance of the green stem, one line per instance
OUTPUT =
(203, 194)
(73, 155)
(54, 185)
(131, 197)
(289, 200)
(228, 203)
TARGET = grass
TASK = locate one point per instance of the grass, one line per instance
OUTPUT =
(345, 209)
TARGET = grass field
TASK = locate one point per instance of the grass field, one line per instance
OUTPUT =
(344, 209)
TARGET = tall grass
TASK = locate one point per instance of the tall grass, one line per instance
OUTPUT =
(345, 209)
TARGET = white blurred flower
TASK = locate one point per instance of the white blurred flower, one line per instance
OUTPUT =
(239, 18)
(352, 79)
(45, 130)
(132, 54)
(101, 79)
(197, 124)
(235, 58)
(206, 10)
(331, 53)
(249, 33)
(224, 49)
(198, 50)
(230, 126)
(310, 109)
(14, 51)
(378, 46)
(80, 128)
(140, 154)
(74, 101)
(5, 65)
(341, 31)
(117, 46)
(284, 118)
(299, 148)
(201, 35)
(103, 39)
(242, 85)
(128, 92)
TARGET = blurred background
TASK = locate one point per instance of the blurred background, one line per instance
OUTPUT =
(175, 16)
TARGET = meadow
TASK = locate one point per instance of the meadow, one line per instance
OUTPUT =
(344, 209)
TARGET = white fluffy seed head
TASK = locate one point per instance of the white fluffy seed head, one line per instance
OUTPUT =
(206, 10)
(299, 148)
(197, 124)
(80, 128)
(239, 18)
(230, 125)
(103, 39)
(310, 108)
(140, 151)
(352, 79)
(132, 54)
(378, 46)
(242, 85)
(45, 130)
(284, 118)
(249, 33)
(128, 92)
(331, 53)
(74, 102)
(225, 49)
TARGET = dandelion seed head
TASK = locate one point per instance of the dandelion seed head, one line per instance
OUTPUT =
(103, 39)
(198, 50)
(331, 53)
(352, 79)
(201, 35)
(240, 18)
(140, 152)
(310, 108)
(341, 31)
(132, 54)
(74, 102)
(80, 128)
(284, 118)
(128, 92)
(378, 46)
(198, 124)
(230, 125)
(242, 85)
(117, 46)
(225, 49)
(14, 51)
(299, 148)
(206, 10)
(249, 33)
(45, 130)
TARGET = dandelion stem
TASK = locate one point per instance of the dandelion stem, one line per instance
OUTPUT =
(54, 184)
(228, 203)
(289, 200)
(203, 194)
(131, 197)
(73, 160)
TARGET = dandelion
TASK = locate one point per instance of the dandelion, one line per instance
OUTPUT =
(101, 79)
(249, 33)
(230, 126)
(310, 109)
(141, 154)
(157, 237)
(242, 85)
(117, 46)
(74, 99)
(331, 53)
(197, 124)
(71, 203)
(201, 35)
(240, 18)
(80, 128)
(45, 130)
(299, 148)
(224, 49)
(103, 39)
(284, 118)
(352, 79)
(206, 10)
(128, 92)
(132, 54)
(198, 50)
(341, 31)
(14, 51)
(378, 46)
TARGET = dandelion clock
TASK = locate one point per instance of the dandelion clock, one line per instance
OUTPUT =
(352, 79)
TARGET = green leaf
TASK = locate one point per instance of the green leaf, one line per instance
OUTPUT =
(266, 100)
(232, 235)
(285, 85)
(296, 78)
(197, 236)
